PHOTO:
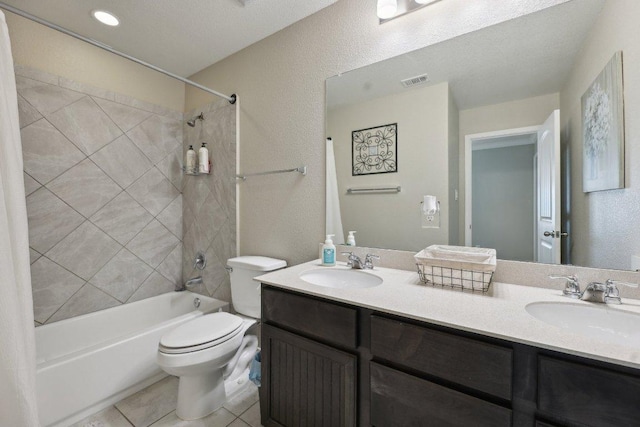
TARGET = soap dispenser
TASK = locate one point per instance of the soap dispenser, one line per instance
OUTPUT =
(190, 161)
(329, 252)
(203, 158)
(351, 239)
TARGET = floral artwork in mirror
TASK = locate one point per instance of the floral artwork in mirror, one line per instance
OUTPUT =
(375, 150)
(603, 130)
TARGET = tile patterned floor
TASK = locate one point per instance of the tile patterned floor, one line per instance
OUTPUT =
(155, 406)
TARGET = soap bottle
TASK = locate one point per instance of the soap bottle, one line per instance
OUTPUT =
(203, 158)
(329, 252)
(351, 239)
(190, 161)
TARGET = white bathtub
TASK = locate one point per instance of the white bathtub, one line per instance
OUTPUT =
(89, 362)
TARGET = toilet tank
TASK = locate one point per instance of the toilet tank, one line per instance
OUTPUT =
(245, 292)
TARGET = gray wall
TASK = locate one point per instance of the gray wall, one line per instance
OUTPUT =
(503, 201)
(508, 115)
(454, 172)
(393, 220)
(103, 180)
(209, 207)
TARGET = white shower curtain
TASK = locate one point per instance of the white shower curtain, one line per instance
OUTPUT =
(17, 342)
(333, 218)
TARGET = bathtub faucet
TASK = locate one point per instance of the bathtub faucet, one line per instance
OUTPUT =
(189, 283)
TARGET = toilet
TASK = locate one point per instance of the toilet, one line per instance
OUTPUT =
(211, 349)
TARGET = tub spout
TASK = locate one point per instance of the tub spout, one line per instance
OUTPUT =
(189, 283)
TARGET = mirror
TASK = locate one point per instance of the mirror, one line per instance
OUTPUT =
(469, 127)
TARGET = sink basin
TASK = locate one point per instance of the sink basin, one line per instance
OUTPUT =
(600, 321)
(341, 279)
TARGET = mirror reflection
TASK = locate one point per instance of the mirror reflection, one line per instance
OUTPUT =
(515, 130)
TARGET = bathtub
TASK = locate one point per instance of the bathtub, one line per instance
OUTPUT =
(89, 362)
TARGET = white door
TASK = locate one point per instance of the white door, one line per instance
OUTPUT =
(548, 215)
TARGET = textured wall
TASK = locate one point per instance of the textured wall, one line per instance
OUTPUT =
(281, 82)
(39, 47)
(209, 201)
(103, 179)
(605, 229)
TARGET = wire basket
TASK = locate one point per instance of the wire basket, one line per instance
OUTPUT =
(472, 280)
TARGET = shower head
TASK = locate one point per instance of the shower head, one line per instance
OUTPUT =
(193, 120)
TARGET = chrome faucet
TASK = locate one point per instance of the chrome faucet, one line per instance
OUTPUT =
(355, 262)
(189, 283)
(572, 288)
(606, 292)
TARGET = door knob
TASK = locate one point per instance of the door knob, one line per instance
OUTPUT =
(555, 234)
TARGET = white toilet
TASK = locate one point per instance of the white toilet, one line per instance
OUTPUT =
(207, 351)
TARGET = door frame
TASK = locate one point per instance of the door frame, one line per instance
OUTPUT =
(470, 141)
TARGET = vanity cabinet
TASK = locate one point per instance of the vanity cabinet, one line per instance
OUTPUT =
(309, 383)
(586, 395)
(309, 359)
(332, 364)
(438, 360)
(400, 399)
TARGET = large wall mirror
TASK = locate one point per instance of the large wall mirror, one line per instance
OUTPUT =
(491, 123)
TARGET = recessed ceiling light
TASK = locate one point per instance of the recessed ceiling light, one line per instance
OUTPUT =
(107, 18)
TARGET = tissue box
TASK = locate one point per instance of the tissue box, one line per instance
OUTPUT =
(457, 266)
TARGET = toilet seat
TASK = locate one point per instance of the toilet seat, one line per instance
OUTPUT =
(199, 334)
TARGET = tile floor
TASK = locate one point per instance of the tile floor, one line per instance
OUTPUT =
(155, 406)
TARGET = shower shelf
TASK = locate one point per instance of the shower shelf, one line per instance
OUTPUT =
(196, 173)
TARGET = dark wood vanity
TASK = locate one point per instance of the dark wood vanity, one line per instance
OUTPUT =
(332, 364)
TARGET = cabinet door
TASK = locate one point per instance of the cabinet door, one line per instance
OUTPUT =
(305, 383)
(588, 395)
(399, 399)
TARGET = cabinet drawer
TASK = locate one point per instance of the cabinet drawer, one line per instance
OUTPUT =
(468, 362)
(587, 395)
(399, 399)
(315, 318)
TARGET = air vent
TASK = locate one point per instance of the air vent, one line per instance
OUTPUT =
(413, 81)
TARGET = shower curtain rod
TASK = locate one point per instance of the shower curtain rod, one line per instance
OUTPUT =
(231, 99)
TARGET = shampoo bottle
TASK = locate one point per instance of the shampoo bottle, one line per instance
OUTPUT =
(329, 252)
(203, 159)
(351, 239)
(190, 161)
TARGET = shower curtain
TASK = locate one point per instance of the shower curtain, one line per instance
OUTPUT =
(333, 218)
(17, 341)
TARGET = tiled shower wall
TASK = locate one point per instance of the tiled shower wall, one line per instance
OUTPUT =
(209, 201)
(103, 184)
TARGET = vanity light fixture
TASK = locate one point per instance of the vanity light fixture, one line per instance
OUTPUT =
(107, 18)
(391, 9)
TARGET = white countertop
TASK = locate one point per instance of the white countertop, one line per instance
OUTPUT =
(499, 313)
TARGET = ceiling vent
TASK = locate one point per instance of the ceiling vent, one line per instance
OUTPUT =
(414, 81)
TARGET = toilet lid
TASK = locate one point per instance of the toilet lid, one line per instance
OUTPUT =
(210, 329)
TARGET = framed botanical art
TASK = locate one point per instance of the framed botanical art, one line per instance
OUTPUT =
(603, 130)
(375, 150)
